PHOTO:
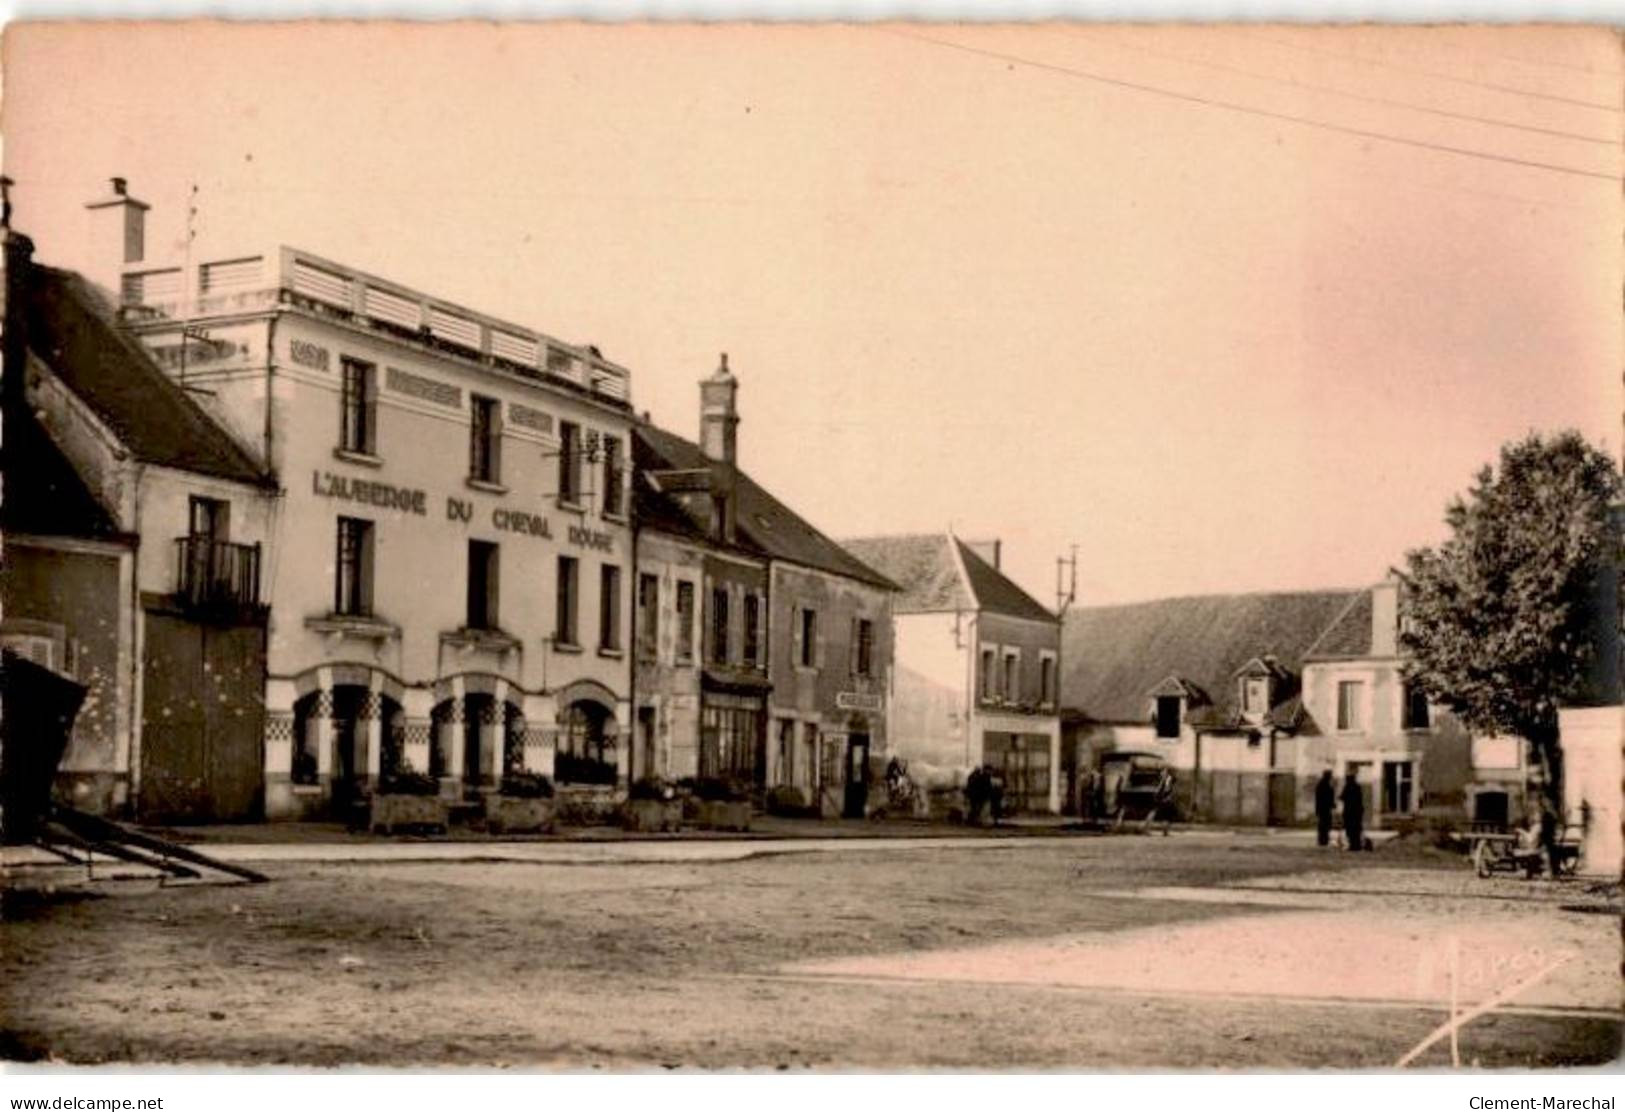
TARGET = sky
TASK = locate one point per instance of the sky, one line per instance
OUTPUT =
(1229, 308)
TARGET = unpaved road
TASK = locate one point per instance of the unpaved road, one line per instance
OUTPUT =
(1043, 953)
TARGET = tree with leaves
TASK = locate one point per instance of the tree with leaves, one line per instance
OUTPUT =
(1501, 621)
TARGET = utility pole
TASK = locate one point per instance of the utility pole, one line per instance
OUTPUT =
(1066, 581)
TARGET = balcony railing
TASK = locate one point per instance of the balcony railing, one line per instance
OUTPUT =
(216, 575)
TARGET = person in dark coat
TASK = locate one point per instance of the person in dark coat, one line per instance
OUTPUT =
(975, 796)
(1325, 807)
(1353, 812)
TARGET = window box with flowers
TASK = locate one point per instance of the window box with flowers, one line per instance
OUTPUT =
(407, 800)
(522, 805)
(719, 803)
(652, 806)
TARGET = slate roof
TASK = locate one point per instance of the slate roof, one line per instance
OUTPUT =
(75, 332)
(923, 565)
(997, 592)
(927, 567)
(1349, 634)
(764, 525)
(1113, 656)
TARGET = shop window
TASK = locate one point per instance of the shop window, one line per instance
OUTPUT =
(609, 608)
(485, 440)
(568, 593)
(358, 426)
(482, 585)
(685, 621)
(586, 752)
(354, 575)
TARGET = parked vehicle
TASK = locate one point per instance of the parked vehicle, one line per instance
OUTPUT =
(1129, 784)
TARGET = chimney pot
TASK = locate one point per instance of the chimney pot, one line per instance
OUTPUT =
(119, 186)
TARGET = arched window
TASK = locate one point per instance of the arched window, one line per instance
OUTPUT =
(586, 751)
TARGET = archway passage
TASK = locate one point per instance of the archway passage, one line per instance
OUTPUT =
(585, 753)
(351, 711)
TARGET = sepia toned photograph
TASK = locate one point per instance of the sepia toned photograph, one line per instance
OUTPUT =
(895, 547)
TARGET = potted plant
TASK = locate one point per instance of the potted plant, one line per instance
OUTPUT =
(652, 805)
(721, 803)
(406, 799)
(789, 802)
(523, 804)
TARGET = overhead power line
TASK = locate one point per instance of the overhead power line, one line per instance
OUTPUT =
(1409, 106)
(1286, 117)
(1367, 60)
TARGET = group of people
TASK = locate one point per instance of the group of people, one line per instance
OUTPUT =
(1352, 798)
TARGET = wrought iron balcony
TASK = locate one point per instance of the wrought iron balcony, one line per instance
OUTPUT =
(217, 575)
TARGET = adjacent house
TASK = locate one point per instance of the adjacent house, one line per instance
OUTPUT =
(978, 665)
(137, 531)
(1251, 697)
(765, 647)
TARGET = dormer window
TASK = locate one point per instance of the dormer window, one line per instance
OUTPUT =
(1255, 695)
(1168, 713)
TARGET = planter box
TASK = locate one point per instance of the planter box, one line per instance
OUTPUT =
(510, 814)
(652, 815)
(714, 814)
(389, 813)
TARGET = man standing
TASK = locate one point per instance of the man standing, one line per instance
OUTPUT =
(1353, 812)
(1325, 805)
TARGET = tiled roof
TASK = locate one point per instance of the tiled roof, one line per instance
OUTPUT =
(996, 592)
(922, 565)
(74, 331)
(1113, 656)
(763, 525)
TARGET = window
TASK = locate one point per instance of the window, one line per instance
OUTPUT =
(809, 638)
(1397, 777)
(685, 620)
(1012, 675)
(988, 675)
(863, 646)
(719, 625)
(609, 608)
(569, 462)
(753, 629)
(613, 502)
(353, 580)
(1350, 694)
(484, 440)
(358, 427)
(203, 563)
(648, 615)
(568, 592)
(482, 585)
(1046, 679)
(787, 750)
(1254, 695)
(586, 750)
(1417, 714)
(209, 519)
(1168, 716)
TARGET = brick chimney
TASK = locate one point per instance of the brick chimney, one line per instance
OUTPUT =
(719, 440)
(116, 236)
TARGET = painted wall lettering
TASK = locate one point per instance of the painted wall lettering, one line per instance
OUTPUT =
(307, 354)
(589, 538)
(458, 510)
(343, 487)
(427, 389)
(518, 521)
